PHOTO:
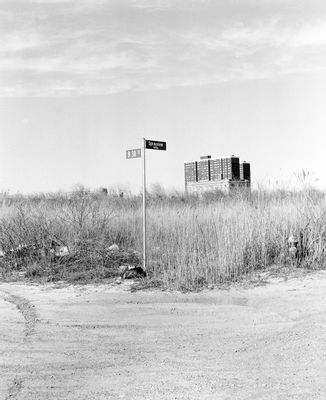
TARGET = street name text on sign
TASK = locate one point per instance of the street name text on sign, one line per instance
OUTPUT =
(135, 153)
(155, 145)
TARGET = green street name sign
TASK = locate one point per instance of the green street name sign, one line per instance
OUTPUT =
(155, 145)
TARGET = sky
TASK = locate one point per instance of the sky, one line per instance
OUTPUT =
(82, 81)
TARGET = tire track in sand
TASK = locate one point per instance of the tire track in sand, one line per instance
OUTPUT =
(14, 389)
(28, 311)
(26, 308)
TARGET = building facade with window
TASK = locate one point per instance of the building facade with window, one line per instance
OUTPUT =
(209, 174)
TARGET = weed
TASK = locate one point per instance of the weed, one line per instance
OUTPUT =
(192, 243)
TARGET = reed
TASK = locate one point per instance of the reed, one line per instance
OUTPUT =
(193, 241)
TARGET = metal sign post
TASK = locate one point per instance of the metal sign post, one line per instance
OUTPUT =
(136, 153)
(144, 208)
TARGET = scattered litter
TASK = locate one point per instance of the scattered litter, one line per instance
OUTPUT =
(293, 246)
(62, 251)
(22, 250)
(293, 241)
(132, 271)
(114, 247)
(293, 251)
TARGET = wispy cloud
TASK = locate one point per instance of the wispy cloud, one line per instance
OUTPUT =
(14, 42)
(313, 34)
(65, 47)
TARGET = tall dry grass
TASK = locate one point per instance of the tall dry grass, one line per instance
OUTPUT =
(191, 242)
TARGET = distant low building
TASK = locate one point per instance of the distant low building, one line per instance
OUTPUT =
(209, 174)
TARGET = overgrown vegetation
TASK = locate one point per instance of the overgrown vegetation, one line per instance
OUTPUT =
(193, 242)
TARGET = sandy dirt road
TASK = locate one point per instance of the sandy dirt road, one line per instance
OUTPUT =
(100, 342)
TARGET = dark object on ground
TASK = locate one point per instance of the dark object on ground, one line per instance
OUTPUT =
(84, 260)
(298, 246)
(293, 246)
(132, 272)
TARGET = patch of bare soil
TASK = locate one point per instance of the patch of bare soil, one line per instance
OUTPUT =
(28, 312)
(25, 307)
(104, 342)
(14, 389)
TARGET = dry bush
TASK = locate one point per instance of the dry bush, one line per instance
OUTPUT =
(193, 241)
(214, 242)
(31, 232)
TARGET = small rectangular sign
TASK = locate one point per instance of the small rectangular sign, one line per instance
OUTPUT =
(135, 153)
(155, 145)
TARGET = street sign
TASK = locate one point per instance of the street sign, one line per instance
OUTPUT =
(155, 145)
(141, 153)
(135, 153)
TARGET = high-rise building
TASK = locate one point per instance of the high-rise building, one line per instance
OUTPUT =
(230, 168)
(208, 174)
(203, 167)
(245, 171)
(191, 173)
(216, 169)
